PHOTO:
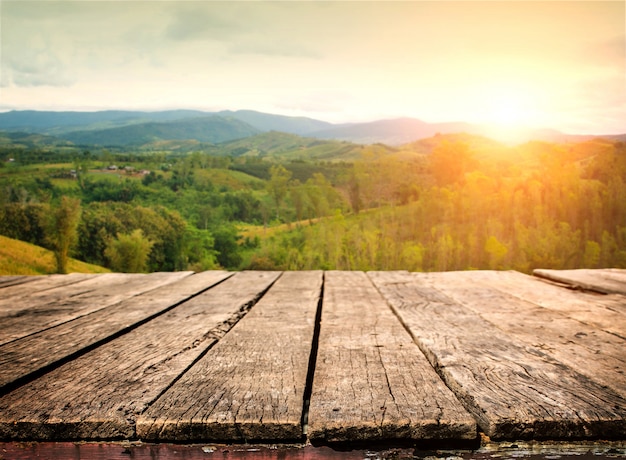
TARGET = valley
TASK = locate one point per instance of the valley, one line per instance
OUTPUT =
(182, 190)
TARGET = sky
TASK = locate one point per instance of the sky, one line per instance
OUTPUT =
(553, 64)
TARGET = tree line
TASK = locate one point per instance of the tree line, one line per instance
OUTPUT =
(451, 203)
(544, 205)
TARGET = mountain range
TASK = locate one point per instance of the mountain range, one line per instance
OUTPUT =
(134, 128)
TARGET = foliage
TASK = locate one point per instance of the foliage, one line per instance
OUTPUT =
(553, 213)
(278, 185)
(24, 221)
(128, 252)
(447, 203)
(63, 230)
(104, 221)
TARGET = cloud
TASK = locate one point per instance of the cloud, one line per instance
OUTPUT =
(34, 67)
(275, 48)
(199, 23)
(262, 29)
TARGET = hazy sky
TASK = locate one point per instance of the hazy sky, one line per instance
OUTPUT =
(559, 64)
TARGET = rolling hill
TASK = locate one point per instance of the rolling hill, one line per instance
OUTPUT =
(283, 146)
(269, 122)
(213, 129)
(121, 128)
(56, 123)
(20, 258)
(394, 131)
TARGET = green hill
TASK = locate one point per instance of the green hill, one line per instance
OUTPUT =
(20, 258)
(288, 147)
(211, 129)
(270, 122)
(23, 140)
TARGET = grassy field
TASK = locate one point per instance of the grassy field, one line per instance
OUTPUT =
(20, 258)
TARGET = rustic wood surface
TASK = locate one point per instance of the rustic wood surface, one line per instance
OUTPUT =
(16, 279)
(371, 381)
(512, 390)
(585, 348)
(22, 357)
(38, 283)
(26, 313)
(396, 356)
(81, 401)
(606, 312)
(251, 384)
(607, 281)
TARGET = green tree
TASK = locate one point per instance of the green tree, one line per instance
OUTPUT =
(199, 248)
(354, 193)
(129, 252)
(227, 247)
(496, 250)
(166, 228)
(63, 233)
(298, 198)
(278, 185)
(450, 161)
(592, 254)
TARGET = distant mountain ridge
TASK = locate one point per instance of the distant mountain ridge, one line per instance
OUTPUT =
(213, 129)
(123, 128)
(392, 131)
(47, 122)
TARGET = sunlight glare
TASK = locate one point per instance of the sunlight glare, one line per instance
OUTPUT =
(509, 111)
(509, 108)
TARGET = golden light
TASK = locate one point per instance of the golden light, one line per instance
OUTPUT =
(510, 107)
(508, 111)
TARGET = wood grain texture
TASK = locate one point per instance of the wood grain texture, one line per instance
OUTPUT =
(100, 394)
(512, 391)
(607, 281)
(11, 280)
(605, 312)
(371, 381)
(584, 348)
(30, 354)
(250, 385)
(27, 314)
(38, 283)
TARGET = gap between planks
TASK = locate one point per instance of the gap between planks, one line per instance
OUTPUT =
(512, 391)
(28, 357)
(251, 384)
(372, 382)
(83, 401)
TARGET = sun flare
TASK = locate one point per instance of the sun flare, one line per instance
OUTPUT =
(508, 111)
(510, 108)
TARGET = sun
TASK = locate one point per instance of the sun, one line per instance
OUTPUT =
(508, 111)
(509, 108)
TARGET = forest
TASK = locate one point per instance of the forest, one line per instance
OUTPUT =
(449, 202)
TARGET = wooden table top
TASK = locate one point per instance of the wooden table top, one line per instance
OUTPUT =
(319, 357)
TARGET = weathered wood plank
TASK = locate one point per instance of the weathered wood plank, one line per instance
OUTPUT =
(607, 281)
(39, 283)
(9, 280)
(586, 349)
(29, 314)
(60, 287)
(251, 384)
(100, 394)
(606, 312)
(513, 392)
(371, 380)
(22, 357)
